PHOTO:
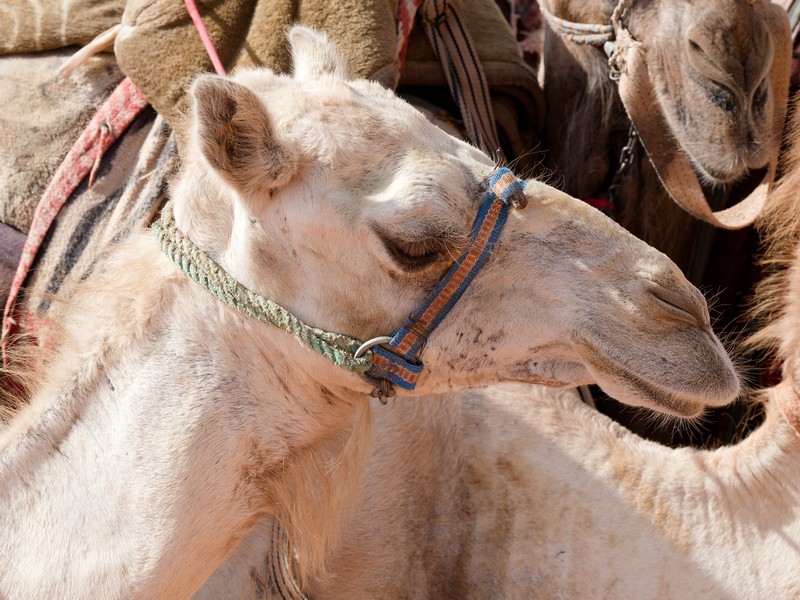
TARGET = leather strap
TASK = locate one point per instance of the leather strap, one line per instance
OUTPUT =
(453, 46)
(670, 162)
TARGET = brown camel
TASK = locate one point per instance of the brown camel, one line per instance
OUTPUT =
(709, 63)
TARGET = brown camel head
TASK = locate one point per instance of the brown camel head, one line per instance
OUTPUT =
(710, 64)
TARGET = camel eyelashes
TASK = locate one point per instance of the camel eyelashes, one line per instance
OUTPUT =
(414, 256)
(419, 253)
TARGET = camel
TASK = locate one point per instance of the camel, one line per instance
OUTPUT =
(170, 419)
(526, 492)
(710, 67)
(714, 69)
(523, 491)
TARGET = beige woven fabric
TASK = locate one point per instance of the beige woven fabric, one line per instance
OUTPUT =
(159, 49)
(41, 116)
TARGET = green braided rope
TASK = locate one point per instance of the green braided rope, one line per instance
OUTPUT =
(337, 348)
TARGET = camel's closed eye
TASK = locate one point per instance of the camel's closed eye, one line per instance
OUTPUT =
(418, 252)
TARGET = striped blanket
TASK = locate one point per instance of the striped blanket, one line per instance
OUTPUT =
(128, 188)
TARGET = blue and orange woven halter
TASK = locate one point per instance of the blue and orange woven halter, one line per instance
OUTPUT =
(397, 362)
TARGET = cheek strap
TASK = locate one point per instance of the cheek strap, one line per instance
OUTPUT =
(397, 362)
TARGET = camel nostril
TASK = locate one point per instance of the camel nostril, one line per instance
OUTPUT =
(719, 84)
(690, 308)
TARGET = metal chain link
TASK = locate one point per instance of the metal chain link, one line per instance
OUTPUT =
(626, 157)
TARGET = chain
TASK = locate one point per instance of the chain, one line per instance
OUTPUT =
(626, 157)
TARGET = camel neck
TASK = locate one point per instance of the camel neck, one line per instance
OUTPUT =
(97, 462)
(179, 396)
(723, 499)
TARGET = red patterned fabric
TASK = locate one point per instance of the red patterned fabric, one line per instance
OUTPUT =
(112, 119)
(406, 14)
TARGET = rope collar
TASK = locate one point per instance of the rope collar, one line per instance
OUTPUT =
(281, 567)
(590, 34)
(339, 349)
(614, 38)
(395, 363)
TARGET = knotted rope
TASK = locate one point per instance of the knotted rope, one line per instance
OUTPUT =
(337, 348)
(589, 34)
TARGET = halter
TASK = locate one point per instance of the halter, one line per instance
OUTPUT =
(386, 361)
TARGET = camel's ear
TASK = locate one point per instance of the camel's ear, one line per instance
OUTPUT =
(313, 54)
(236, 138)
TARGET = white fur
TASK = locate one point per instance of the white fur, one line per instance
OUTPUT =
(525, 492)
(167, 423)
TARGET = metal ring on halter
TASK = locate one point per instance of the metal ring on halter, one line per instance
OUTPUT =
(370, 343)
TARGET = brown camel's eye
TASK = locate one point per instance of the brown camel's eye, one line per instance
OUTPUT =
(722, 97)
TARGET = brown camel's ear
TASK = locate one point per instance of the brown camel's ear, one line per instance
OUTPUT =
(236, 138)
(313, 55)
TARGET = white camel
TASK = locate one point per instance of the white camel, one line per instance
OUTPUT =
(168, 421)
(525, 492)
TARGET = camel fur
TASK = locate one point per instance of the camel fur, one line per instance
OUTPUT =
(166, 423)
(522, 491)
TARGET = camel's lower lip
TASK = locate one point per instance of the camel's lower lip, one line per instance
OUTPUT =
(630, 388)
(651, 397)
(717, 176)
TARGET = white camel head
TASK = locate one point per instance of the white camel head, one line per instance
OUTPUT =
(342, 203)
(168, 423)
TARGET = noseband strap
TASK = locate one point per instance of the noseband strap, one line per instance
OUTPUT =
(397, 361)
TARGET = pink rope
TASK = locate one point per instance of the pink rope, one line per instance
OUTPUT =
(206, 39)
